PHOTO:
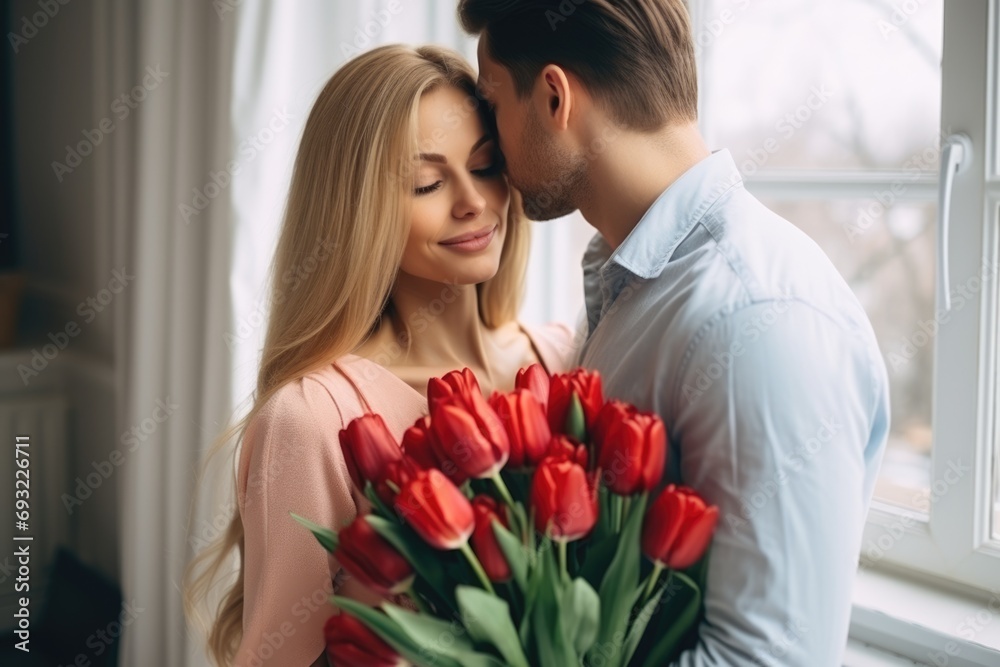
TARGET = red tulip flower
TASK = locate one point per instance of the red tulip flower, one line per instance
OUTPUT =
(611, 412)
(564, 499)
(368, 447)
(350, 643)
(536, 380)
(633, 452)
(678, 527)
(468, 432)
(455, 384)
(484, 540)
(586, 385)
(563, 447)
(526, 424)
(417, 445)
(436, 509)
(369, 558)
(397, 475)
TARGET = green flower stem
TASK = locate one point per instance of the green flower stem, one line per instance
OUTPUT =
(477, 568)
(688, 615)
(504, 491)
(563, 569)
(687, 580)
(618, 509)
(651, 584)
(509, 500)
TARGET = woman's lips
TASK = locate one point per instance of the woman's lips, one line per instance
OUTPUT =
(474, 244)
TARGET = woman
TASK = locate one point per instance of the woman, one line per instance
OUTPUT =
(399, 181)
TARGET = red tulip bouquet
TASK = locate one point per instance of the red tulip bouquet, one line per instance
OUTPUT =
(521, 531)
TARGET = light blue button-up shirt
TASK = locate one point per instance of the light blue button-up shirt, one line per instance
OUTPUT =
(735, 327)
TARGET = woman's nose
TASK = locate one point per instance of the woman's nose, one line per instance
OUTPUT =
(469, 203)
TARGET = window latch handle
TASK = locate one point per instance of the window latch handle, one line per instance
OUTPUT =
(956, 154)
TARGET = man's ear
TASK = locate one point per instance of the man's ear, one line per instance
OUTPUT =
(554, 96)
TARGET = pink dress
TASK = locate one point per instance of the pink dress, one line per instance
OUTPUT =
(291, 461)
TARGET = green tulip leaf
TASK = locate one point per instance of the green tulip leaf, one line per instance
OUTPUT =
(580, 601)
(438, 638)
(619, 589)
(425, 559)
(667, 645)
(390, 632)
(551, 634)
(487, 618)
(325, 536)
(513, 551)
(533, 590)
(598, 559)
(640, 623)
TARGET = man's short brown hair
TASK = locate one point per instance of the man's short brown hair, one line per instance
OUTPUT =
(636, 57)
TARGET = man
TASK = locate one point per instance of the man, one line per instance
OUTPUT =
(702, 305)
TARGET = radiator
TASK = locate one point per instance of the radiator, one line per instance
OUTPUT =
(44, 419)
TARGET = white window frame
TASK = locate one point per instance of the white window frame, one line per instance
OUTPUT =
(952, 543)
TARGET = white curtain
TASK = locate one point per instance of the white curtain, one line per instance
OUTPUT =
(175, 369)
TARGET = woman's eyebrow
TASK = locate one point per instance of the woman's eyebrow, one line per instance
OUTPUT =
(437, 157)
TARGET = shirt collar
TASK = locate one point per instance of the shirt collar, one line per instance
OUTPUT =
(649, 246)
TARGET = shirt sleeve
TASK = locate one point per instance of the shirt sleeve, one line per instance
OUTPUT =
(295, 465)
(774, 417)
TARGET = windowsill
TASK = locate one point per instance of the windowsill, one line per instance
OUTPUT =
(925, 623)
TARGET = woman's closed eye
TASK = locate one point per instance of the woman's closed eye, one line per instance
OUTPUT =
(427, 189)
(491, 170)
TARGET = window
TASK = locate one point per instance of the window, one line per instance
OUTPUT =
(838, 125)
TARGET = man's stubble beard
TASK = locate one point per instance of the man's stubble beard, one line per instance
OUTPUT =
(554, 191)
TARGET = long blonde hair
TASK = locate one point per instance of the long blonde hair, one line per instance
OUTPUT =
(349, 192)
